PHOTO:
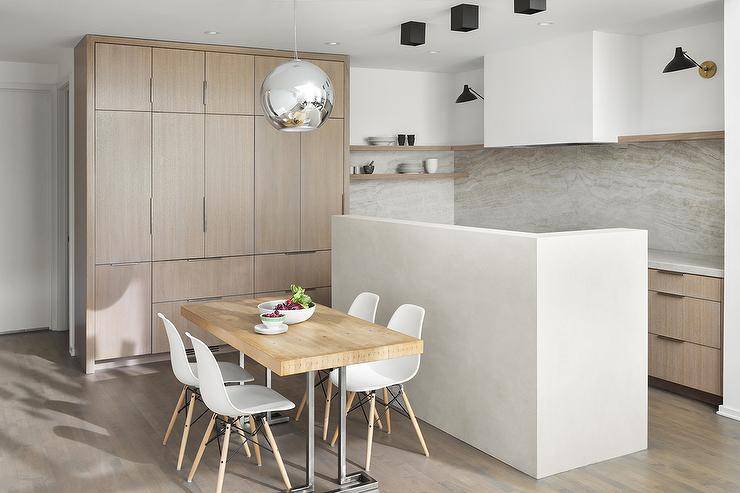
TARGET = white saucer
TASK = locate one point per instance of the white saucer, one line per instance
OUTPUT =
(263, 329)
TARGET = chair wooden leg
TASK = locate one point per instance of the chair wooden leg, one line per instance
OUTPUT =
(375, 415)
(370, 423)
(224, 456)
(327, 409)
(414, 422)
(186, 430)
(202, 448)
(349, 406)
(179, 404)
(300, 407)
(246, 440)
(387, 411)
(276, 452)
(257, 451)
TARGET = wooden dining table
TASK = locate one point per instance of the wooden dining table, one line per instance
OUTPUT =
(328, 340)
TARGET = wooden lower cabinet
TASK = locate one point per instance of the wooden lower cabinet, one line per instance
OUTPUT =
(277, 272)
(171, 310)
(685, 332)
(122, 310)
(202, 278)
(691, 365)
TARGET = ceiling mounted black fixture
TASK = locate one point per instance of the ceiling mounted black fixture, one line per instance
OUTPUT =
(464, 17)
(467, 94)
(682, 61)
(413, 33)
(529, 7)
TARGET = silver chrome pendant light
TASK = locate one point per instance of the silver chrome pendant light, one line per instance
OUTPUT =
(297, 96)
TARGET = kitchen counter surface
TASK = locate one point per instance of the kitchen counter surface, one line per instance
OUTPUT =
(689, 263)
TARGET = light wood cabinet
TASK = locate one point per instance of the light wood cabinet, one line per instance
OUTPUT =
(123, 77)
(278, 272)
(277, 191)
(322, 183)
(263, 65)
(122, 310)
(202, 278)
(178, 80)
(123, 187)
(691, 365)
(688, 319)
(335, 71)
(229, 184)
(685, 331)
(171, 310)
(178, 186)
(229, 84)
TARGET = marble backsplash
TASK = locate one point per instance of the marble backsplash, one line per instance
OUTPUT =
(675, 190)
(427, 200)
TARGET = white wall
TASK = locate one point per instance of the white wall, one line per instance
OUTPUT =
(28, 73)
(389, 102)
(731, 357)
(682, 101)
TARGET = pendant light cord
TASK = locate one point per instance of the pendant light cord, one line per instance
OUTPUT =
(295, 32)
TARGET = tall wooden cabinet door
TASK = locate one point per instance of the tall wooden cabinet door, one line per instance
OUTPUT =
(178, 189)
(277, 189)
(123, 300)
(322, 178)
(335, 71)
(178, 80)
(263, 65)
(229, 84)
(122, 77)
(122, 186)
(229, 185)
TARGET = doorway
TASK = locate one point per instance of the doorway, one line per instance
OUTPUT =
(60, 316)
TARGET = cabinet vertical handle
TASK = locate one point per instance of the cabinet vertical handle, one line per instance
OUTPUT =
(151, 216)
(204, 214)
(205, 88)
(151, 90)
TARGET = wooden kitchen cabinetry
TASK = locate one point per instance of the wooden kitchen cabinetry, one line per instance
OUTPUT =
(685, 333)
(184, 192)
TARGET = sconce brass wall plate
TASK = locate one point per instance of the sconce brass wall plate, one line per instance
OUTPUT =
(708, 69)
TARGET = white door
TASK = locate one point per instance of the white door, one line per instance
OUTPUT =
(25, 215)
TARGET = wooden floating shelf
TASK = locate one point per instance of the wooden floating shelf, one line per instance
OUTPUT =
(366, 148)
(406, 176)
(626, 139)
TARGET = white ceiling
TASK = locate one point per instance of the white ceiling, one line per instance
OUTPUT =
(368, 30)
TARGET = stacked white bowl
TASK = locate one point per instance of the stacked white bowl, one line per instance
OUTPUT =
(381, 141)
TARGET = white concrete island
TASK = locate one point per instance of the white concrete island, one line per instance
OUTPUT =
(535, 345)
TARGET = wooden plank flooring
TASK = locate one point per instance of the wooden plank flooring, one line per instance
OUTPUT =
(62, 431)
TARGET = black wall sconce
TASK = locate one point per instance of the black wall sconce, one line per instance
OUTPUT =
(413, 33)
(529, 7)
(682, 61)
(464, 17)
(468, 94)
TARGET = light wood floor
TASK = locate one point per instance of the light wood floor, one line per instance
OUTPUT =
(62, 431)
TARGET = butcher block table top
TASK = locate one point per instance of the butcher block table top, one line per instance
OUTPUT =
(329, 339)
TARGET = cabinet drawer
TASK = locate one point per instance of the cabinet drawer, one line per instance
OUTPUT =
(689, 319)
(322, 296)
(708, 288)
(202, 278)
(684, 363)
(278, 272)
(122, 310)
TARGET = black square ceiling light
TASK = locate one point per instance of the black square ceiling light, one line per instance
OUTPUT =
(464, 17)
(413, 33)
(529, 7)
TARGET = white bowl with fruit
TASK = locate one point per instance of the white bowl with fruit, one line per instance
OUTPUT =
(296, 309)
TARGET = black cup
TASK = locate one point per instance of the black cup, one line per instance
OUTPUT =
(411, 138)
(401, 139)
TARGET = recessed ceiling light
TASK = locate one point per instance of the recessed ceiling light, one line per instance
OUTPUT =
(545, 23)
(433, 52)
(211, 32)
(332, 43)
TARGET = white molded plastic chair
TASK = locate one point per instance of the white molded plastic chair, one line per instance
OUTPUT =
(234, 403)
(364, 306)
(367, 378)
(187, 373)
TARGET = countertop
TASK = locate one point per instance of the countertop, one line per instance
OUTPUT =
(689, 263)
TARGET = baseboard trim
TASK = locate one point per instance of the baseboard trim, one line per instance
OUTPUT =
(695, 394)
(729, 412)
(149, 358)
